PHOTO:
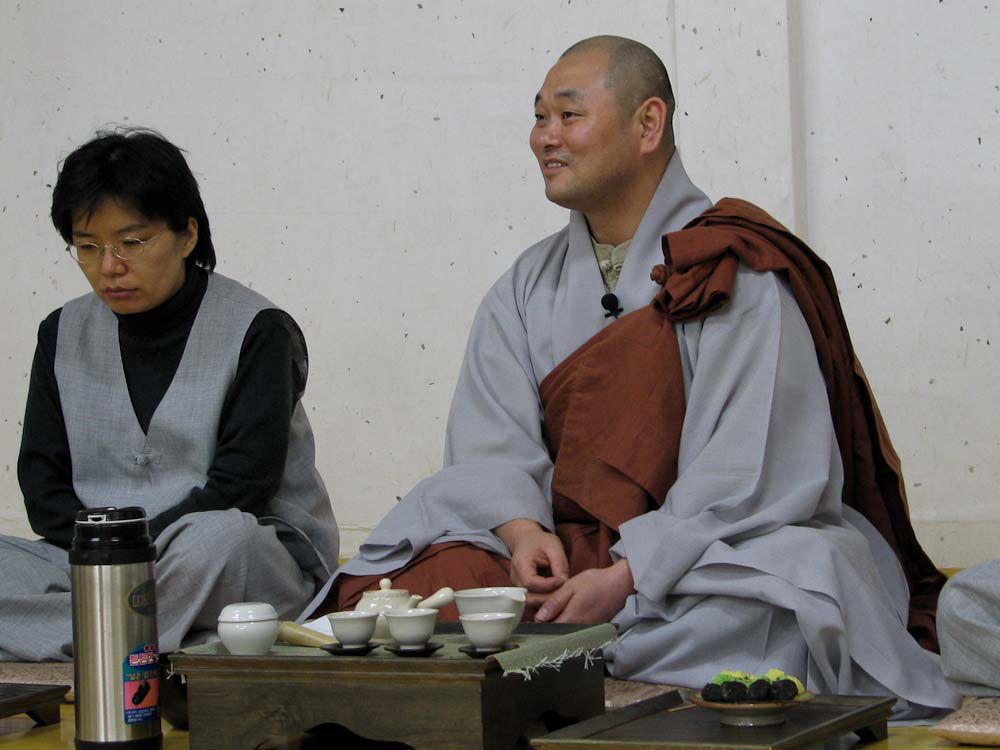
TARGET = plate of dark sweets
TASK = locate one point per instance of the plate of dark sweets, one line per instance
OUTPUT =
(746, 700)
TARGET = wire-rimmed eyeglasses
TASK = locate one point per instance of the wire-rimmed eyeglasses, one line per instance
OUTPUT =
(127, 248)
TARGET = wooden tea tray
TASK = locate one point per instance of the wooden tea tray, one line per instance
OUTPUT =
(446, 701)
(667, 722)
(40, 702)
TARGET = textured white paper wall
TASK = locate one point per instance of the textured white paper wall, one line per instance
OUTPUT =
(365, 165)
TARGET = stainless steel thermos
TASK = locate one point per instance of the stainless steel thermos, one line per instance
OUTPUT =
(115, 652)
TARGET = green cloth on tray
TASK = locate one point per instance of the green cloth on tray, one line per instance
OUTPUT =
(548, 651)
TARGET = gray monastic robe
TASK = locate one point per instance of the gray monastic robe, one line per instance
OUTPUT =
(752, 562)
(969, 629)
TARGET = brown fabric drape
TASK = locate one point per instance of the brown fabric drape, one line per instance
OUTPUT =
(614, 409)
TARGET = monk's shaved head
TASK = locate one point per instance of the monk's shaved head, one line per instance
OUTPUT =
(635, 72)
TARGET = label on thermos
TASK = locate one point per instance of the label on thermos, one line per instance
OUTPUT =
(142, 599)
(141, 674)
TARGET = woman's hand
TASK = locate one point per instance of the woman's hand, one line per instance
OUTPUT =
(537, 558)
(595, 595)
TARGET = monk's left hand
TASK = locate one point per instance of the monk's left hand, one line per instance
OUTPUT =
(595, 595)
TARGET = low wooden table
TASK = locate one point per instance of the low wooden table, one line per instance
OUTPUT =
(40, 702)
(447, 701)
(666, 721)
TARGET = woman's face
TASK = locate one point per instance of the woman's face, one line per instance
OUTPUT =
(142, 283)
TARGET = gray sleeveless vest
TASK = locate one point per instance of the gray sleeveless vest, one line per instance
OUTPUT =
(115, 463)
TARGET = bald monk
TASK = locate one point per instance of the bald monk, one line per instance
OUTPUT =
(671, 467)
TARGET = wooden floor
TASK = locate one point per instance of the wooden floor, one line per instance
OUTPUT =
(19, 732)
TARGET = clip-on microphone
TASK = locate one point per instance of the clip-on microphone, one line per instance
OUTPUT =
(610, 303)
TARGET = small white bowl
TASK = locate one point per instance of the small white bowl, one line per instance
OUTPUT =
(412, 628)
(491, 599)
(353, 628)
(488, 629)
(248, 628)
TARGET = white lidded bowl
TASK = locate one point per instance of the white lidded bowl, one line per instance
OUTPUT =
(248, 628)
(412, 628)
(353, 627)
(492, 599)
(488, 629)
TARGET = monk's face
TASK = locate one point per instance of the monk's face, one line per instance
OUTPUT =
(588, 150)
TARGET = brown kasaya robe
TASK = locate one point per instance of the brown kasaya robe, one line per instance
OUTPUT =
(626, 384)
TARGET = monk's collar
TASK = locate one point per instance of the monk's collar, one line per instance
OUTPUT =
(615, 254)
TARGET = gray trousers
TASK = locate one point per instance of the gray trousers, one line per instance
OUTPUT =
(969, 629)
(204, 561)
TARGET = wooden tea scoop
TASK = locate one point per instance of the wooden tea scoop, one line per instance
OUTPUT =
(297, 635)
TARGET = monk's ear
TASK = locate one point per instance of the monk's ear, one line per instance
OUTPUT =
(652, 118)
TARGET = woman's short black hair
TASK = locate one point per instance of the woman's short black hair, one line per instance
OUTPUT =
(142, 170)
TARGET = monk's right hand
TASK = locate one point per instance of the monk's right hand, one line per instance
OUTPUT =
(537, 558)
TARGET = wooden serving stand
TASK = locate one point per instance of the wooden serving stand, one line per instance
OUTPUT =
(441, 702)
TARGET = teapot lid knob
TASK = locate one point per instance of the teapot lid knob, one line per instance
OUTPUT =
(385, 584)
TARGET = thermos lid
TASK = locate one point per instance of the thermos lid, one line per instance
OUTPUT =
(109, 515)
(110, 536)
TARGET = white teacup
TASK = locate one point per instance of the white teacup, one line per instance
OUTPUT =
(353, 628)
(248, 628)
(492, 599)
(488, 629)
(412, 628)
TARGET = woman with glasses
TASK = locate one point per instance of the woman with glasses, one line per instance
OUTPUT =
(169, 387)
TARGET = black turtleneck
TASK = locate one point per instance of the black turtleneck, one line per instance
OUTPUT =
(252, 442)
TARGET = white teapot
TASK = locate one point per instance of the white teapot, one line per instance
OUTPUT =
(385, 599)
